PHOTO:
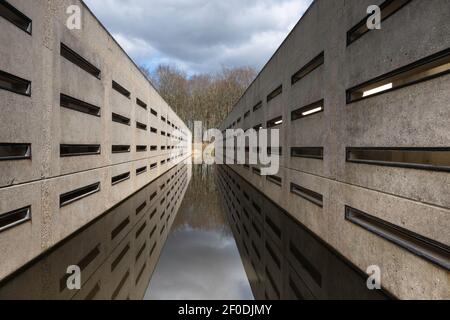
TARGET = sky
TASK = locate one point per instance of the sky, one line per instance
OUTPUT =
(199, 36)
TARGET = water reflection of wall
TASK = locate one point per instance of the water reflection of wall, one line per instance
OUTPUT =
(117, 253)
(282, 258)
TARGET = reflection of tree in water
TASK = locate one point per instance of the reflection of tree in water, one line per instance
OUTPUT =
(201, 208)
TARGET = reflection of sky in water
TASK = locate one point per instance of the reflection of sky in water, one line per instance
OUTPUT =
(200, 262)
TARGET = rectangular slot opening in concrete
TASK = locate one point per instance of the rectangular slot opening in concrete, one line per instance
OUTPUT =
(14, 84)
(153, 166)
(141, 103)
(256, 171)
(120, 257)
(16, 17)
(257, 106)
(275, 122)
(120, 178)
(73, 150)
(308, 68)
(307, 194)
(275, 179)
(141, 126)
(153, 112)
(79, 61)
(78, 194)
(425, 69)
(416, 158)
(121, 89)
(273, 150)
(153, 148)
(141, 170)
(388, 8)
(153, 130)
(275, 93)
(15, 151)
(121, 119)
(120, 148)
(309, 110)
(142, 148)
(78, 105)
(141, 250)
(247, 114)
(306, 264)
(433, 251)
(307, 152)
(140, 230)
(141, 207)
(14, 218)
(163, 119)
(120, 285)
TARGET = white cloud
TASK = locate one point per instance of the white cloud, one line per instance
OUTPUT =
(200, 35)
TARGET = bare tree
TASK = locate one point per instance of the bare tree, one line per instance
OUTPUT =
(203, 97)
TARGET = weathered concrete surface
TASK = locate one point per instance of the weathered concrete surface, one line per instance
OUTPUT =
(415, 116)
(40, 121)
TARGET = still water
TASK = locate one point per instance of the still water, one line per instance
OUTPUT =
(197, 232)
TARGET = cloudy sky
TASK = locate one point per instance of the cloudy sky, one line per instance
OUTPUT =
(199, 35)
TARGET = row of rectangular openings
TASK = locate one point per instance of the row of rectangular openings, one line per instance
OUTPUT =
(141, 126)
(275, 93)
(153, 112)
(121, 89)
(419, 158)
(14, 218)
(78, 194)
(257, 106)
(72, 150)
(78, 105)
(275, 179)
(142, 148)
(141, 170)
(16, 17)
(15, 151)
(141, 103)
(79, 61)
(387, 8)
(308, 68)
(307, 194)
(121, 119)
(14, 84)
(425, 69)
(120, 149)
(307, 152)
(275, 122)
(308, 110)
(429, 249)
(120, 178)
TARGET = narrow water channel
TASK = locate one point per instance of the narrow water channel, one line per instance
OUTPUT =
(200, 259)
(197, 232)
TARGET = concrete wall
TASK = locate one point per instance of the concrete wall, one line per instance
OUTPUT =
(39, 120)
(122, 265)
(411, 117)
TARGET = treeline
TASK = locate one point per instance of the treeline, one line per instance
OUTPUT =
(203, 97)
